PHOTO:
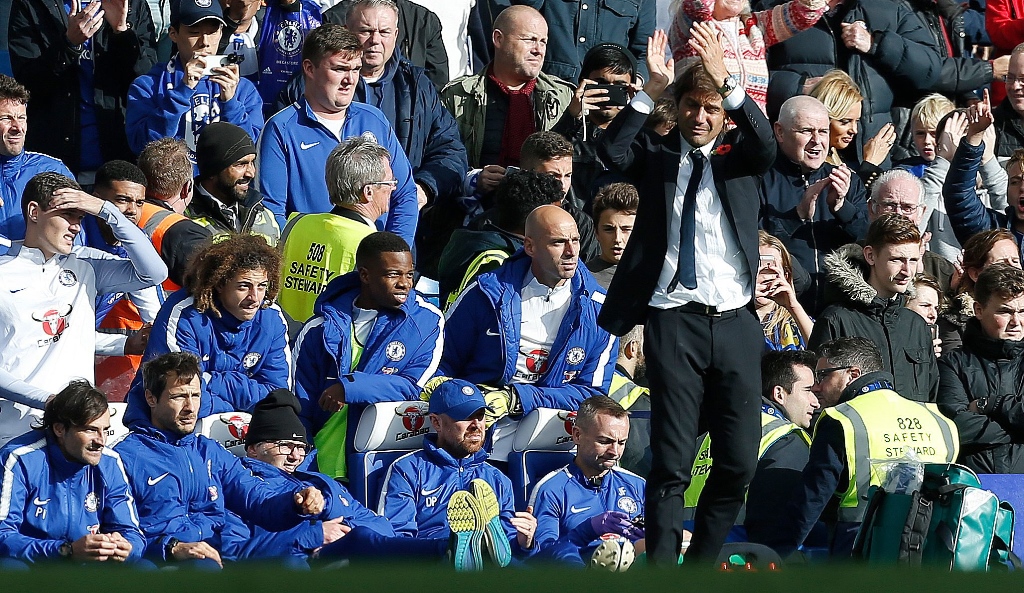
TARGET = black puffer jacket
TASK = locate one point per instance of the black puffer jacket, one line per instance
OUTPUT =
(904, 56)
(992, 441)
(901, 335)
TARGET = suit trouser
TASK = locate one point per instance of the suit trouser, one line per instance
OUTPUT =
(703, 370)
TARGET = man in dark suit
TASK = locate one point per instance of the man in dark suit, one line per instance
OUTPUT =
(688, 274)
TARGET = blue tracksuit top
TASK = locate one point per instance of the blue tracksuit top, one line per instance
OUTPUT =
(564, 501)
(161, 105)
(244, 540)
(292, 153)
(183, 484)
(15, 173)
(242, 361)
(418, 485)
(489, 317)
(400, 356)
(47, 500)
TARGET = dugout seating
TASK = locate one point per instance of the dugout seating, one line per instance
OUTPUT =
(542, 444)
(385, 431)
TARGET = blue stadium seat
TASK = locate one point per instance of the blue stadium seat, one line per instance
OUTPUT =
(385, 432)
(543, 443)
(1009, 488)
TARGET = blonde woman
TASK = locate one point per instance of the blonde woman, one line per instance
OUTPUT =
(843, 99)
(785, 323)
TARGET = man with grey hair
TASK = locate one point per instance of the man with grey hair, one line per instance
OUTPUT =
(812, 206)
(318, 247)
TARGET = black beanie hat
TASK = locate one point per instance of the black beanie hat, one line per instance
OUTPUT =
(220, 145)
(276, 418)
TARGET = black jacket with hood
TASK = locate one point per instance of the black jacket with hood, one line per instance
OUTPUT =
(902, 336)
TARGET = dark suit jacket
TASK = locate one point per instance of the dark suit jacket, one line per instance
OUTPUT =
(652, 163)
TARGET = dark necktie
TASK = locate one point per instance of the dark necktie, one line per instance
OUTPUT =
(686, 269)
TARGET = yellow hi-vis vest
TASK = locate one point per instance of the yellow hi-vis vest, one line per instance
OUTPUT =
(484, 258)
(262, 223)
(773, 428)
(316, 248)
(625, 391)
(881, 426)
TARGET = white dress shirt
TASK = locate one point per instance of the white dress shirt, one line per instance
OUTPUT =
(723, 276)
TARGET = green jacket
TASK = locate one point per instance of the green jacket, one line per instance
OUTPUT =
(466, 98)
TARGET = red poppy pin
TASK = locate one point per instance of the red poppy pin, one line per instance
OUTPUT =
(723, 149)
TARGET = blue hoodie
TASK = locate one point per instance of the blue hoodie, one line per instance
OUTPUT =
(400, 356)
(183, 484)
(47, 500)
(292, 154)
(242, 361)
(489, 317)
(244, 540)
(161, 105)
(418, 486)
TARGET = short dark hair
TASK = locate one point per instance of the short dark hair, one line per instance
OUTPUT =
(694, 79)
(891, 229)
(620, 197)
(118, 170)
(541, 147)
(75, 405)
(519, 194)
(329, 39)
(377, 243)
(853, 352)
(999, 280)
(41, 187)
(608, 55)
(665, 111)
(12, 90)
(594, 405)
(777, 369)
(184, 365)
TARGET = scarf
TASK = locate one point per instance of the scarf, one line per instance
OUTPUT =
(519, 121)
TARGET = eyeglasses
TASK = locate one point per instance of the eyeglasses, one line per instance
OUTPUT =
(820, 374)
(286, 448)
(1010, 79)
(902, 208)
(392, 182)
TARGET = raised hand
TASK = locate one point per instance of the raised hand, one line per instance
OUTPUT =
(705, 39)
(84, 22)
(659, 69)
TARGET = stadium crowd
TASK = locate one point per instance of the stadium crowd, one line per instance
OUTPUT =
(736, 253)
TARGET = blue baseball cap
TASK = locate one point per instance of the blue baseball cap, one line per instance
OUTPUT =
(190, 12)
(458, 399)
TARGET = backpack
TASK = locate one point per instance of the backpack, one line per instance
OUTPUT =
(949, 522)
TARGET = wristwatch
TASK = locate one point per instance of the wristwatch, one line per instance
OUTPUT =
(65, 550)
(169, 548)
(728, 86)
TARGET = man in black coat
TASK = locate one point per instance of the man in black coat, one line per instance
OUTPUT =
(981, 385)
(101, 47)
(687, 274)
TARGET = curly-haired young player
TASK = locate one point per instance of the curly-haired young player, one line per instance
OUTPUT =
(226, 317)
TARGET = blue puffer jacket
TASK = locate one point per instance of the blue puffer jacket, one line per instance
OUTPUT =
(967, 214)
(418, 486)
(242, 361)
(292, 153)
(47, 500)
(244, 540)
(400, 356)
(485, 349)
(184, 484)
(15, 172)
